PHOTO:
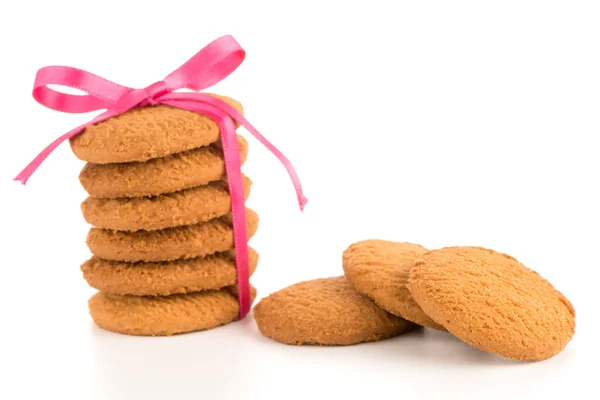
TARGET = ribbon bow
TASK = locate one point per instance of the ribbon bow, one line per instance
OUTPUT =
(209, 66)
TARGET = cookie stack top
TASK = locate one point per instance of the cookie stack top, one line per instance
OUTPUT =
(146, 133)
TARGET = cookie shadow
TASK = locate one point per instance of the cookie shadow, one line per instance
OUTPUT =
(426, 347)
(421, 348)
(123, 362)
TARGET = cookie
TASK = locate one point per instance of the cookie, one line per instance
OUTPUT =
(160, 175)
(493, 302)
(144, 133)
(211, 272)
(325, 312)
(168, 244)
(165, 315)
(379, 269)
(186, 207)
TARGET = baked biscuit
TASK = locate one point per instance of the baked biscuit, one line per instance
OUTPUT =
(186, 207)
(187, 241)
(160, 175)
(165, 315)
(211, 272)
(144, 133)
(325, 312)
(493, 302)
(379, 269)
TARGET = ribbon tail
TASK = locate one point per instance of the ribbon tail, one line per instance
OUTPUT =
(202, 100)
(26, 173)
(302, 200)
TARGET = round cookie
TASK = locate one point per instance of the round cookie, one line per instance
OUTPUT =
(325, 312)
(211, 272)
(379, 269)
(186, 207)
(493, 302)
(165, 315)
(144, 133)
(160, 175)
(187, 241)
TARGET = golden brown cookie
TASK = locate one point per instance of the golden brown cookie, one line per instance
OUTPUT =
(325, 312)
(379, 269)
(493, 302)
(144, 133)
(168, 244)
(186, 207)
(165, 315)
(160, 175)
(211, 272)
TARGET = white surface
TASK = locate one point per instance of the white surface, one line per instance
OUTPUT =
(443, 123)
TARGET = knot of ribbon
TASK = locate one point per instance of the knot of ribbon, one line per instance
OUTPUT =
(154, 91)
(209, 66)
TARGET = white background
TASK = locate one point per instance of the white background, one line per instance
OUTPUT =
(441, 123)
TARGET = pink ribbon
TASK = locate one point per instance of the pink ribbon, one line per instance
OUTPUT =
(209, 66)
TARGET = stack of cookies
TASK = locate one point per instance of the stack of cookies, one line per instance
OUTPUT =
(162, 239)
(485, 298)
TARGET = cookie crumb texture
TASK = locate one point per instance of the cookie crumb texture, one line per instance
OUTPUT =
(493, 302)
(379, 269)
(164, 315)
(212, 272)
(168, 244)
(144, 133)
(186, 207)
(325, 312)
(168, 174)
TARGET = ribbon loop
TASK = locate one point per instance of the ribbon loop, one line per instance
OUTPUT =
(209, 66)
(101, 93)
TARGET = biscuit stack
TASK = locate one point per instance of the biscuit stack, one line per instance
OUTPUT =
(485, 298)
(162, 239)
